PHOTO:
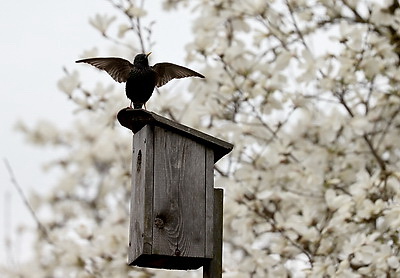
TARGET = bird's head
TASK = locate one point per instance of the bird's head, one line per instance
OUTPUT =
(141, 59)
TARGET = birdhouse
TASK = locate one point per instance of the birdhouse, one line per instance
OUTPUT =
(172, 216)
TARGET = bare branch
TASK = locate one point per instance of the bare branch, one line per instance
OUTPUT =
(371, 147)
(15, 183)
(296, 26)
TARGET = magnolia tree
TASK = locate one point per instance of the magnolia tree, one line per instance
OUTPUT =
(307, 91)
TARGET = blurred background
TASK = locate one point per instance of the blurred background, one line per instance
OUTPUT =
(38, 39)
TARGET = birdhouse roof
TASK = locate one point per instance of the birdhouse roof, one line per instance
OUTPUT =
(135, 119)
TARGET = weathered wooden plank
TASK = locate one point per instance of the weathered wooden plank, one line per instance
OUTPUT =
(192, 202)
(179, 199)
(209, 200)
(148, 158)
(137, 199)
(213, 268)
(141, 218)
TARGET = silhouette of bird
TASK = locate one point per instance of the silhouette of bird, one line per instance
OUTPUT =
(140, 78)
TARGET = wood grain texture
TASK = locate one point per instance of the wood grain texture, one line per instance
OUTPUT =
(176, 216)
(209, 212)
(141, 218)
(179, 196)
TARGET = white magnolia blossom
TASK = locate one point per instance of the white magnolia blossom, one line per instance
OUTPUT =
(69, 83)
(135, 11)
(102, 22)
(93, 52)
(122, 29)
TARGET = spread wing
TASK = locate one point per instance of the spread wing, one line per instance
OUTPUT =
(168, 71)
(118, 68)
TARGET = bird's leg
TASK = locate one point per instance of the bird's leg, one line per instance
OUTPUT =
(130, 105)
(144, 104)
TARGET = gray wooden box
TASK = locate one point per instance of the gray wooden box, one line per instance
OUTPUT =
(172, 202)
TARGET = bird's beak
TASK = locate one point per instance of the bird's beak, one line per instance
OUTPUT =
(148, 54)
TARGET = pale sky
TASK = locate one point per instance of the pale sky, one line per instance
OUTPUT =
(38, 38)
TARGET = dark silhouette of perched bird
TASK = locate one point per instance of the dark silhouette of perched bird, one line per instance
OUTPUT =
(140, 78)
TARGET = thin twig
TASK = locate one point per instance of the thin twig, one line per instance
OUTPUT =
(371, 147)
(24, 199)
(221, 172)
(139, 29)
(7, 228)
(389, 123)
(296, 26)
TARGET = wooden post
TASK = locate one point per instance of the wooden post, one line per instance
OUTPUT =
(213, 268)
(176, 215)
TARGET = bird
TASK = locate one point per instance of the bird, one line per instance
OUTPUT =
(140, 77)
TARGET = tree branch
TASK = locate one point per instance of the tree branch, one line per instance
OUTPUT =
(374, 152)
(15, 183)
(296, 26)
